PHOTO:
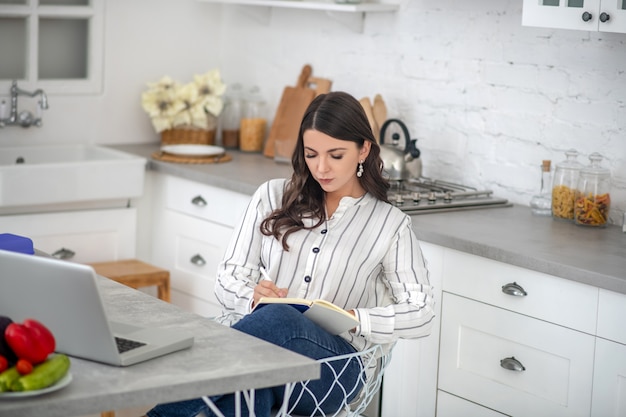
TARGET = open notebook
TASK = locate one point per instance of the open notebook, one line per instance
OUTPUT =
(325, 314)
(64, 297)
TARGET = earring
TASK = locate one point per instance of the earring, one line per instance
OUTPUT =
(359, 172)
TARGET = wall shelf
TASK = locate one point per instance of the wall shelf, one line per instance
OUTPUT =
(352, 15)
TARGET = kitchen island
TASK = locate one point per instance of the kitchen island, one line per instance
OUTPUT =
(511, 235)
(221, 360)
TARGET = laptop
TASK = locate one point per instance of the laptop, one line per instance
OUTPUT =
(64, 296)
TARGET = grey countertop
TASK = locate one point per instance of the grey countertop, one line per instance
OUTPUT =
(222, 360)
(513, 235)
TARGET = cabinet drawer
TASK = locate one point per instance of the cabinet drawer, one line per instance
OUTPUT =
(192, 250)
(558, 362)
(82, 236)
(204, 201)
(549, 298)
(609, 380)
(452, 406)
(611, 312)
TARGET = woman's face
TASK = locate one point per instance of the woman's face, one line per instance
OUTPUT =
(333, 162)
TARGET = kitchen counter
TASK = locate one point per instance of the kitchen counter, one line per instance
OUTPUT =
(207, 368)
(512, 235)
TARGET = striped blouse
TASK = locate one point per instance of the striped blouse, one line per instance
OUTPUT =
(365, 257)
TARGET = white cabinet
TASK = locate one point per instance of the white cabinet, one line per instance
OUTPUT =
(567, 303)
(512, 363)
(193, 224)
(410, 381)
(78, 236)
(592, 15)
(609, 383)
(515, 341)
(611, 312)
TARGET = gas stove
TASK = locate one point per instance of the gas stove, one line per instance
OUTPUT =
(424, 195)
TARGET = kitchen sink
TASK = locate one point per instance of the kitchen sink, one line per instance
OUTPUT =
(32, 177)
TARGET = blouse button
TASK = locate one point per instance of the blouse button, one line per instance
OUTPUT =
(307, 279)
(316, 250)
(324, 231)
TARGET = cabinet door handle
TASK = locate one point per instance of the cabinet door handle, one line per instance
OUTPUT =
(198, 201)
(604, 17)
(512, 364)
(198, 260)
(514, 289)
(587, 16)
(63, 254)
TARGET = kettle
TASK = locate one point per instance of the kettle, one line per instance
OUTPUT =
(400, 162)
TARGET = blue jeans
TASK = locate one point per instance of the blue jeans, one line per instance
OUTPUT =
(284, 326)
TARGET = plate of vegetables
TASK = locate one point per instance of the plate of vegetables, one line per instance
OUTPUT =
(28, 364)
(62, 383)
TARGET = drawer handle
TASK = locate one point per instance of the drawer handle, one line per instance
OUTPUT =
(512, 364)
(514, 289)
(198, 260)
(63, 254)
(198, 201)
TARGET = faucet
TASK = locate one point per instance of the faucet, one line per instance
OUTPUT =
(24, 118)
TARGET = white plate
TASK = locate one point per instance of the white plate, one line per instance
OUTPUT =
(63, 382)
(193, 150)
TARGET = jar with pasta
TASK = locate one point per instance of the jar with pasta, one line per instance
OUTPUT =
(253, 123)
(593, 200)
(564, 185)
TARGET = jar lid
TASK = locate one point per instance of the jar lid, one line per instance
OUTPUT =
(233, 92)
(594, 167)
(570, 161)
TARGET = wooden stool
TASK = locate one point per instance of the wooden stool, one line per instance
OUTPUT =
(136, 274)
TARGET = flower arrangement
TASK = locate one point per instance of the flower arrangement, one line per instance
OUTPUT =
(173, 105)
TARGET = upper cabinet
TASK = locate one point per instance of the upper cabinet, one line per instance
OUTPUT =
(591, 15)
(55, 45)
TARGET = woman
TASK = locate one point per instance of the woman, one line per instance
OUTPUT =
(328, 233)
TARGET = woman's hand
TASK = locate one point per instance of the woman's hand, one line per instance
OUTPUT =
(266, 288)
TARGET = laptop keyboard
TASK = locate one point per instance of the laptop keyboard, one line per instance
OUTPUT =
(124, 345)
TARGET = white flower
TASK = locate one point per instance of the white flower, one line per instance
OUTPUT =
(170, 104)
(211, 89)
(161, 102)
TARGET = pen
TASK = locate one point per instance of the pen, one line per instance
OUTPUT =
(265, 274)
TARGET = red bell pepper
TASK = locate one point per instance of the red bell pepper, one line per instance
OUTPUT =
(30, 340)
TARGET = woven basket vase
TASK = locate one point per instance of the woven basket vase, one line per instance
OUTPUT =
(188, 135)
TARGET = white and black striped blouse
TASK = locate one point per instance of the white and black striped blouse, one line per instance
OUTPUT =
(366, 257)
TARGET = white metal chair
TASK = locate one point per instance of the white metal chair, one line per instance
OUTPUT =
(372, 363)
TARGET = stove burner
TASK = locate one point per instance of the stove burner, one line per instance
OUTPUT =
(424, 195)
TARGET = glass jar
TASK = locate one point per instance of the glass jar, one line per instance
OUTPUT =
(564, 185)
(231, 117)
(593, 200)
(253, 123)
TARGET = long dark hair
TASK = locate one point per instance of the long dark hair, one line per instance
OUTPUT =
(341, 116)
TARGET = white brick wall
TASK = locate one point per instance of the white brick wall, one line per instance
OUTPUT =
(487, 98)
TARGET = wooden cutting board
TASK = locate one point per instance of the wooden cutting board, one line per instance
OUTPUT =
(291, 108)
(367, 106)
(322, 85)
